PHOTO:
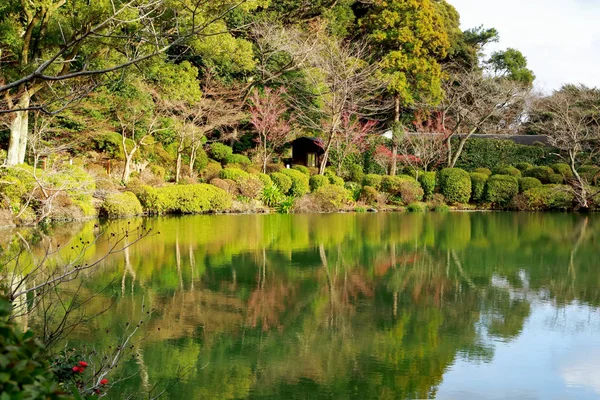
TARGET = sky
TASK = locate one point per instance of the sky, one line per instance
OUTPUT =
(560, 38)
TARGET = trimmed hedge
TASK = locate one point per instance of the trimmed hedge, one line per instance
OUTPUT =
(404, 186)
(318, 181)
(369, 195)
(282, 181)
(238, 159)
(455, 185)
(556, 179)
(373, 181)
(500, 189)
(542, 173)
(478, 181)
(332, 197)
(528, 183)
(184, 199)
(427, 181)
(265, 179)
(563, 169)
(121, 205)
(486, 171)
(549, 197)
(523, 166)
(355, 173)
(300, 182)
(302, 169)
(220, 152)
(234, 174)
(508, 170)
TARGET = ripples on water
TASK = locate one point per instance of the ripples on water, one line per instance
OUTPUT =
(453, 306)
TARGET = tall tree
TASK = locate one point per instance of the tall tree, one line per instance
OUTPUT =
(411, 35)
(511, 64)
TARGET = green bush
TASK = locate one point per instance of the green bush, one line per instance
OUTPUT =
(455, 185)
(250, 187)
(404, 186)
(549, 197)
(265, 179)
(282, 181)
(373, 181)
(333, 178)
(523, 166)
(354, 189)
(478, 181)
(12, 191)
(318, 181)
(120, 205)
(24, 370)
(542, 173)
(212, 171)
(300, 182)
(220, 152)
(158, 171)
(201, 161)
(590, 173)
(410, 171)
(355, 173)
(302, 169)
(556, 179)
(485, 171)
(562, 169)
(369, 195)
(109, 143)
(234, 174)
(416, 207)
(500, 189)
(528, 183)
(427, 181)
(239, 159)
(332, 197)
(184, 199)
(508, 170)
(272, 196)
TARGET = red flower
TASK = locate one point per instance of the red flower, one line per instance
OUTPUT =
(83, 364)
(78, 369)
(104, 381)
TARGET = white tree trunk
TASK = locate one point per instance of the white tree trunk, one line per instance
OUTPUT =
(19, 129)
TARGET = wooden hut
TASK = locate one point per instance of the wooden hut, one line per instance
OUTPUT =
(307, 151)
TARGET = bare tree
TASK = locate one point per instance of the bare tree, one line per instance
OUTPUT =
(571, 119)
(352, 138)
(337, 79)
(476, 103)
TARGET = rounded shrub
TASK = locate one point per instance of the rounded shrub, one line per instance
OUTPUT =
(265, 179)
(302, 169)
(250, 187)
(369, 195)
(282, 181)
(300, 182)
(158, 171)
(556, 179)
(373, 181)
(541, 173)
(528, 183)
(523, 166)
(121, 205)
(455, 185)
(238, 159)
(562, 169)
(404, 186)
(508, 170)
(500, 189)
(333, 178)
(220, 152)
(549, 197)
(318, 181)
(410, 171)
(355, 173)
(235, 174)
(332, 197)
(427, 181)
(478, 181)
(354, 189)
(485, 171)
(590, 173)
(201, 161)
(184, 199)
(211, 171)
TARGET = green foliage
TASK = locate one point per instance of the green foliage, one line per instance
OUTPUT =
(369, 195)
(485, 171)
(109, 143)
(265, 179)
(428, 182)
(212, 171)
(441, 208)
(184, 199)
(300, 182)
(508, 170)
(478, 181)
(12, 190)
(511, 64)
(158, 171)
(282, 181)
(523, 166)
(500, 189)
(302, 169)
(250, 186)
(238, 159)
(331, 197)
(286, 206)
(355, 173)
(403, 186)
(201, 161)
(528, 183)
(455, 185)
(489, 153)
(24, 371)
(234, 174)
(590, 173)
(354, 189)
(416, 207)
(121, 205)
(318, 181)
(542, 173)
(562, 169)
(410, 171)
(333, 178)
(373, 181)
(556, 179)
(272, 196)
(549, 197)
(220, 152)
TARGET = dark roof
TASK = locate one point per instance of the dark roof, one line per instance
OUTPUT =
(318, 141)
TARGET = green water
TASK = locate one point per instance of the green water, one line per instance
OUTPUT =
(358, 306)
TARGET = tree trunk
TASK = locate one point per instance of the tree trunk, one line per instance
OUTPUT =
(265, 157)
(127, 168)
(325, 156)
(19, 129)
(178, 168)
(460, 148)
(394, 163)
(582, 192)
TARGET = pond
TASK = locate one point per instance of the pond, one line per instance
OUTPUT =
(355, 306)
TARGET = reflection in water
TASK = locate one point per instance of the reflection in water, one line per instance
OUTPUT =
(360, 306)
